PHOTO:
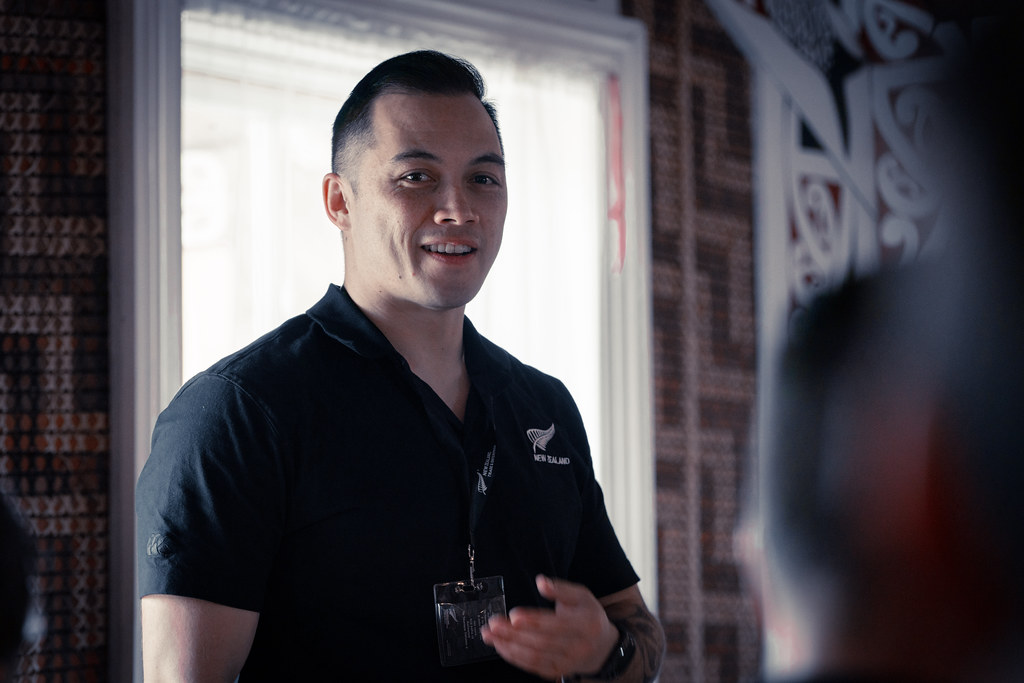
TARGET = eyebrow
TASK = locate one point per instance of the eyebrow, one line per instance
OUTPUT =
(488, 158)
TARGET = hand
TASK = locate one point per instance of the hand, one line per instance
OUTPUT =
(576, 637)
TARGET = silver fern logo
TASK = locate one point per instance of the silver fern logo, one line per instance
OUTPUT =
(540, 437)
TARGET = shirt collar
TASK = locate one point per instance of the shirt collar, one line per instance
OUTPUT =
(345, 322)
(341, 319)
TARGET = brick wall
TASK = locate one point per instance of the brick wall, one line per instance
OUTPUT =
(54, 454)
(704, 333)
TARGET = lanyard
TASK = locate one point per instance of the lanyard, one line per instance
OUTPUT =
(478, 498)
(478, 437)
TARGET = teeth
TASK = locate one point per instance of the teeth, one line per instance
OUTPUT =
(449, 248)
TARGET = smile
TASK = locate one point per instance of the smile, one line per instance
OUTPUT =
(448, 248)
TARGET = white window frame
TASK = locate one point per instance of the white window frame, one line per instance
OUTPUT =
(144, 80)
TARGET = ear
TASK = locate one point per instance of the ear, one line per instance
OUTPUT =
(337, 193)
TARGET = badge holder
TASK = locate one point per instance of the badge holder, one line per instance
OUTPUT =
(462, 608)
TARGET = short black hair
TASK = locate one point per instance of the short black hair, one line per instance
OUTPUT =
(851, 347)
(423, 71)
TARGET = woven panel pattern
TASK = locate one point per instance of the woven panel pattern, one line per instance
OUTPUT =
(54, 375)
(704, 334)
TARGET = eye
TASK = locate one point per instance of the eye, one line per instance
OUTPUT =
(484, 179)
(415, 177)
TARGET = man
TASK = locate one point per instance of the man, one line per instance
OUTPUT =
(891, 470)
(338, 500)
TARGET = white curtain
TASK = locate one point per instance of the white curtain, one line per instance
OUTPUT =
(261, 84)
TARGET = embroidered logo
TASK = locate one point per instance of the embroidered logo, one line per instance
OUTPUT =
(159, 545)
(540, 438)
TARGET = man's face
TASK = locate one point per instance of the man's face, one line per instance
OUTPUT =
(424, 210)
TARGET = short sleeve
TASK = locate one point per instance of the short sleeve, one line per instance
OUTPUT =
(599, 561)
(211, 501)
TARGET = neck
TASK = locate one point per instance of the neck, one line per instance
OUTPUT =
(431, 343)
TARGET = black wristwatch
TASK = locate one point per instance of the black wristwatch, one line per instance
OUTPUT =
(619, 659)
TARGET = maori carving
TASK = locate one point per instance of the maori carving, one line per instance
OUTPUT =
(860, 80)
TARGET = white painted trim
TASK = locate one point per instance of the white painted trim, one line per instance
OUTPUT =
(630, 477)
(143, 180)
(770, 242)
(562, 6)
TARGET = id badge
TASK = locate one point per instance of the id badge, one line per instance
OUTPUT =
(461, 609)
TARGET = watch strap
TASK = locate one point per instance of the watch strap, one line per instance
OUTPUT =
(619, 658)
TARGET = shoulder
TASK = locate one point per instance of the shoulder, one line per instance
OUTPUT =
(289, 359)
(535, 401)
(283, 349)
(511, 374)
(499, 367)
(269, 378)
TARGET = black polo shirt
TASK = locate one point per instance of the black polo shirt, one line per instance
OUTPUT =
(313, 478)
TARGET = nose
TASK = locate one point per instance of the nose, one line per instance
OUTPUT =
(454, 206)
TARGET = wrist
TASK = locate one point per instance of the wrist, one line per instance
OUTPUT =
(618, 659)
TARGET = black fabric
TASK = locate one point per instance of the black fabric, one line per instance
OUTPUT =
(305, 478)
(847, 678)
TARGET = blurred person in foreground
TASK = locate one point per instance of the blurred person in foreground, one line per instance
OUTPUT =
(361, 493)
(891, 473)
(15, 567)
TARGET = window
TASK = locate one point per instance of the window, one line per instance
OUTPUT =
(602, 53)
(258, 99)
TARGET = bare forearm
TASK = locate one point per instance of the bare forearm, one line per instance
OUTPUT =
(648, 636)
(185, 639)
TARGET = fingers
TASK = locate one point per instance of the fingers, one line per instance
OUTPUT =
(565, 592)
(533, 628)
(575, 636)
(526, 648)
(521, 631)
